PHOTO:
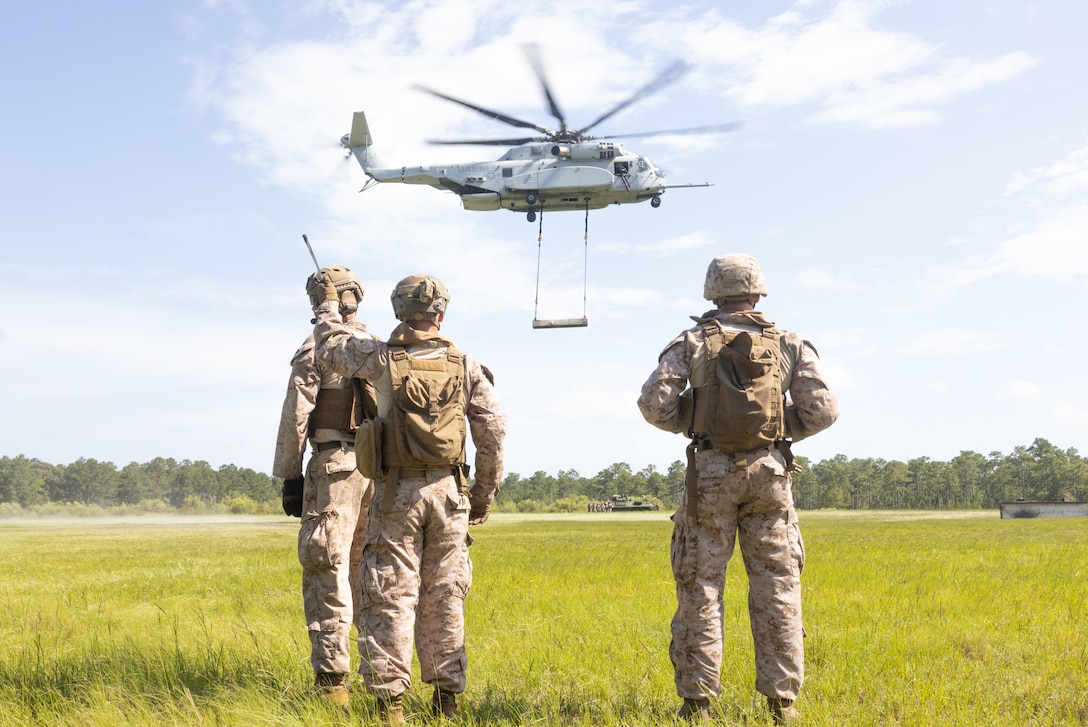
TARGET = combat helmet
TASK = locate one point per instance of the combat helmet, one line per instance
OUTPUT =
(419, 297)
(734, 276)
(345, 282)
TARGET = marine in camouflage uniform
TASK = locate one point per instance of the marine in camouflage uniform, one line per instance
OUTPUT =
(745, 494)
(416, 567)
(332, 500)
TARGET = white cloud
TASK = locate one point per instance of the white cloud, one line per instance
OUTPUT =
(1049, 237)
(1056, 248)
(597, 404)
(1025, 392)
(953, 342)
(839, 378)
(1067, 175)
(1070, 416)
(882, 102)
(689, 241)
(842, 61)
(826, 280)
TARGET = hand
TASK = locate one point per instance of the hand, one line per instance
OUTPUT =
(319, 286)
(479, 506)
(331, 293)
(292, 496)
(479, 515)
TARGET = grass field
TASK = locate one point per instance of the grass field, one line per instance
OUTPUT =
(912, 619)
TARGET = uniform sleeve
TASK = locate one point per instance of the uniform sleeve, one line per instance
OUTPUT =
(299, 402)
(813, 406)
(487, 425)
(659, 401)
(345, 350)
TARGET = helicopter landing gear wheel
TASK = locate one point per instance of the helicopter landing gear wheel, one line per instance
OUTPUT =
(531, 216)
(530, 199)
(655, 201)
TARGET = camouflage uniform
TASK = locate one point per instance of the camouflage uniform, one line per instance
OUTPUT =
(416, 567)
(335, 499)
(748, 494)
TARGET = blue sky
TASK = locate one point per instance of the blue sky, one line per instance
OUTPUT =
(911, 175)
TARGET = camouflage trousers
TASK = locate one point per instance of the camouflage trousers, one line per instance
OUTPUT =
(756, 503)
(416, 574)
(330, 541)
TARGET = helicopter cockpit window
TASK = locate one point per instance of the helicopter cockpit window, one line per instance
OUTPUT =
(643, 165)
(507, 172)
(622, 168)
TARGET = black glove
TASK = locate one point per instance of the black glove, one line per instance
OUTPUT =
(479, 507)
(292, 496)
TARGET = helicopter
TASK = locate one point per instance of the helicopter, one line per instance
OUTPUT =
(561, 169)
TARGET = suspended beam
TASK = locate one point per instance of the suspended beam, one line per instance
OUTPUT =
(560, 322)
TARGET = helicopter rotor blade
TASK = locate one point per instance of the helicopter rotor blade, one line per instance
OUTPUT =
(533, 53)
(486, 142)
(711, 129)
(486, 112)
(676, 69)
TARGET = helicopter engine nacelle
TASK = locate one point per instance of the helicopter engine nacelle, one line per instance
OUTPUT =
(591, 151)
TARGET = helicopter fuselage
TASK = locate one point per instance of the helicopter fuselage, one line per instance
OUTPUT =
(588, 175)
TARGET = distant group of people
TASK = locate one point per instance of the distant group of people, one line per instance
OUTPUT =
(385, 505)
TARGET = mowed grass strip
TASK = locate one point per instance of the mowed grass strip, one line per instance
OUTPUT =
(912, 619)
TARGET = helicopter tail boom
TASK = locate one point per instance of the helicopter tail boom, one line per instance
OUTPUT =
(360, 142)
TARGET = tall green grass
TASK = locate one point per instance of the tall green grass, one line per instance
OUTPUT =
(912, 619)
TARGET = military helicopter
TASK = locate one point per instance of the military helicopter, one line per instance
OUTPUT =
(561, 169)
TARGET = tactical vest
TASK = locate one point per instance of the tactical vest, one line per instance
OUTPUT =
(425, 426)
(339, 409)
(739, 407)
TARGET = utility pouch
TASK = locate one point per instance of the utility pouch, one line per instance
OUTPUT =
(686, 412)
(368, 448)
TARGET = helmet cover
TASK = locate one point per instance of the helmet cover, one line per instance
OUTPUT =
(734, 276)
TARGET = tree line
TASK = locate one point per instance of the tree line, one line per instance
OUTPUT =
(158, 484)
(1040, 472)
(970, 480)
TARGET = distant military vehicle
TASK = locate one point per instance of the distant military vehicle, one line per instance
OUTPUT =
(623, 503)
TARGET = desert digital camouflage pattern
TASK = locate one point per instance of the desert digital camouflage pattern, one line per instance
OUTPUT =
(746, 494)
(368, 358)
(334, 506)
(416, 569)
(813, 405)
(416, 573)
(731, 276)
(756, 504)
(335, 500)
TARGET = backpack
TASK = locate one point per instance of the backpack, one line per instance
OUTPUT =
(426, 425)
(741, 406)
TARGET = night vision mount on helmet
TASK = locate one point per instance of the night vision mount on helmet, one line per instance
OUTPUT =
(419, 297)
(348, 287)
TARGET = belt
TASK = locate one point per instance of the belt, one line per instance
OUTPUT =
(404, 472)
(324, 446)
